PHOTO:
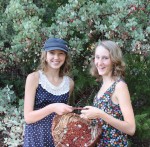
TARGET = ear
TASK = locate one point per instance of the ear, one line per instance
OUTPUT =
(46, 59)
(93, 60)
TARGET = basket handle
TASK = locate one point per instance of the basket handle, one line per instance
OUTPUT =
(79, 108)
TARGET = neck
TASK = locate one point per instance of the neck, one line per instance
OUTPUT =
(53, 77)
(54, 73)
(108, 80)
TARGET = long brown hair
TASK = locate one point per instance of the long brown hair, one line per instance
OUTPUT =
(64, 69)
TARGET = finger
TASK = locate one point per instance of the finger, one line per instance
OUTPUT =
(83, 111)
(87, 107)
(82, 115)
(69, 109)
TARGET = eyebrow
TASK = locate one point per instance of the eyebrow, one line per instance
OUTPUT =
(103, 55)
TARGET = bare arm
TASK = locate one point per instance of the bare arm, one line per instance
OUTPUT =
(31, 115)
(128, 125)
(122, 94)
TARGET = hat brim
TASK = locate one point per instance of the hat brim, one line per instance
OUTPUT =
(55, 48)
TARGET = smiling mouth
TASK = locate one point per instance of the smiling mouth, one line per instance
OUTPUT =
(102, 68)
(56, 62)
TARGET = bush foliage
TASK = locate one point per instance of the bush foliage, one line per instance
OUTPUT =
(25, 24)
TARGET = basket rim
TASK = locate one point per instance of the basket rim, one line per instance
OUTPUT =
(57, 118)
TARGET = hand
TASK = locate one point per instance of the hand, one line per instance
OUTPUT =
(90, 113)
(61, 108)
(84, 117)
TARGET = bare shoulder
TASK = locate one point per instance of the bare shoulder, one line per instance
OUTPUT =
(121, 85)
(122, 92)
(33, 78)
(71, 83)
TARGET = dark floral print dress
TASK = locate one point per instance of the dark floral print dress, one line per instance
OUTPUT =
(110, 137)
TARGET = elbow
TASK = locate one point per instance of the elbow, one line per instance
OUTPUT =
(28, 120)
(131, 131)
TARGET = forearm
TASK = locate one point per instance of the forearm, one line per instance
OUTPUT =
(36, 115)
(123, 126)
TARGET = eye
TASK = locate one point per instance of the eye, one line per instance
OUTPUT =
(97, 57)
(105, 57)
(51, 52)
(61, 53)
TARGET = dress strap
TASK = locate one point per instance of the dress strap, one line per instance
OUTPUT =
(112, 88)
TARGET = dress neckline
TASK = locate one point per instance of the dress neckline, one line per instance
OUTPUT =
(52, 85)
(108, 89)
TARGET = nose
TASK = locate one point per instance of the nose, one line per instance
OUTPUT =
(99, 62)
(56, 56)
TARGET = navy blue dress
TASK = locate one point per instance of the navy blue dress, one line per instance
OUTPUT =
(39, 134)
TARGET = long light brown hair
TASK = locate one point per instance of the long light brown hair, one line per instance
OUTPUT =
(116, 58)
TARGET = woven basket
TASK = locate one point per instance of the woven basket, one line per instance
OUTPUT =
(70, 130)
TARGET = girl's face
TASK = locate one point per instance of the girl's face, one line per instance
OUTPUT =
(55, 58)
(103, 61)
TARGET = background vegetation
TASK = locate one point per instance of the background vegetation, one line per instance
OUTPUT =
(24, 26)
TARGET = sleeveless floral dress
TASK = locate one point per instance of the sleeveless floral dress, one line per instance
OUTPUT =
(39, 134)
(110, 137)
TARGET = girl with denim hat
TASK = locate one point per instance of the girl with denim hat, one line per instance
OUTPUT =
(46, 93)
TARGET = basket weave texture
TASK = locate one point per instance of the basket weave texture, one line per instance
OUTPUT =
(70, 130)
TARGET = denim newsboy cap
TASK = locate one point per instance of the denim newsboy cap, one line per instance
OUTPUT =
(56, 44)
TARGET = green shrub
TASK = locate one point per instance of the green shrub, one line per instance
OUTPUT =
(11, 118)
(25, 25)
